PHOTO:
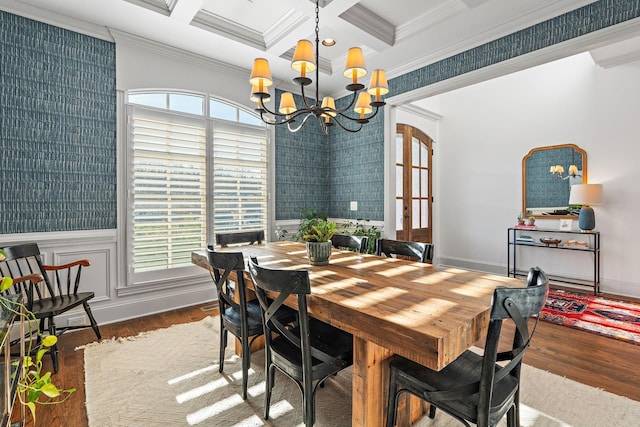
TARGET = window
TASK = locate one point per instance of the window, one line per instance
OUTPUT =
(192, 173)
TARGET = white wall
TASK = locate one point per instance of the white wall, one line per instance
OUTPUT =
(487, 129)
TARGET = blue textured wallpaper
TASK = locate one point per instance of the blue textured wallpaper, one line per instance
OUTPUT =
(301, 168)
(356, 170)
(58, 129)
(356, 160)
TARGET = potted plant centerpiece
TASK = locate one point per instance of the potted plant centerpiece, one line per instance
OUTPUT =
(318, 238)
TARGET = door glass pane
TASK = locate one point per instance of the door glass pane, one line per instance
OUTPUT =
(415, 184)
(399, 180)
(424, 156)
(415, 151)
(398, 214)
(424, 183)
(424, 218)
(415, 219)
(399, 148)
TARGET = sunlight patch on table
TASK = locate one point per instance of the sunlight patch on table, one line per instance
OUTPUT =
(421, 313)
(374, 297)
(399, 270)
(336, 285)
(343, 259)
(369, 264)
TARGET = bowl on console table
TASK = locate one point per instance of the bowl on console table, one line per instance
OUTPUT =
(550, 241)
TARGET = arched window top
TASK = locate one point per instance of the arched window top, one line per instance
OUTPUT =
(196, 104)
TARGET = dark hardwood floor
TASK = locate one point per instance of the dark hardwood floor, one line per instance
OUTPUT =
(585, 357)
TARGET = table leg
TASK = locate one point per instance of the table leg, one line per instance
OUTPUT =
(370, 389)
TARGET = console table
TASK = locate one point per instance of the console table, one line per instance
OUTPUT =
(516, 238)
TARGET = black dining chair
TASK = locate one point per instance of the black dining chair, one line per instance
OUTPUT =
(422, 252)
(310, 352)
(58, 292)
(240, 237)
(347, 241)
(239, 316)
(476, 388)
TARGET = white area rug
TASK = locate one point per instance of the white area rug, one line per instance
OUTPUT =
(169, 377)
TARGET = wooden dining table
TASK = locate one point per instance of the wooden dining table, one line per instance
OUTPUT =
(391, 306)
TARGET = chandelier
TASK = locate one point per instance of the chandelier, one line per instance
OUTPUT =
(326, 112)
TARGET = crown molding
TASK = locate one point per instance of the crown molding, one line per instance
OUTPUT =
(420, 112)
(58, 20)
(218, 25)
(369, 22)
(122, 37)
(614, 61)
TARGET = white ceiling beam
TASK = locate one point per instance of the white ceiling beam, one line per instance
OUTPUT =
(229, 29)
(375, 31)
(185, 10)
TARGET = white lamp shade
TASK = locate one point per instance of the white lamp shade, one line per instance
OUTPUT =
(586, 194)
(303, 58)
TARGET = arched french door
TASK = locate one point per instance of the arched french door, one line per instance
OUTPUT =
(414, 216)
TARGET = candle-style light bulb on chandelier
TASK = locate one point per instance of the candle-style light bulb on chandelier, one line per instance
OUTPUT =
(325, 111)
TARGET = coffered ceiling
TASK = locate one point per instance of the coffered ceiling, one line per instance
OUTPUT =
(396, 35)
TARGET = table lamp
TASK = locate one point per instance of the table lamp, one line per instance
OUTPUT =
(586, 195)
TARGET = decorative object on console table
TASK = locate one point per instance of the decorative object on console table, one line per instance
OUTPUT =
(550, 241)
(586, 195)
(524, 239)
(565, 224)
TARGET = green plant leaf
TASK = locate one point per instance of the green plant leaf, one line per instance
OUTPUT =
(32, 409)
(49, 340)
(33, 395)
(5, 283)
(50, 390)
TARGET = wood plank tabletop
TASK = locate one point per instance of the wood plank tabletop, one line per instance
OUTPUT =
(428, 314)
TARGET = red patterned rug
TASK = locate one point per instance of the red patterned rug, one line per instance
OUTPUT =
(603, 316)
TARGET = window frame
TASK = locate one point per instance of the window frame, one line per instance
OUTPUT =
(171, 277)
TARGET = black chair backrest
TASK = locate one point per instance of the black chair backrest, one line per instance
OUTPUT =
(222, 265)
(516, 305)
(281, 284)
(357, 243)
(419, 251)
(26, 259)
(240, 237)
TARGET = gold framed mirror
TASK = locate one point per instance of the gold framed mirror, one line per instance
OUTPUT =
(547, 175)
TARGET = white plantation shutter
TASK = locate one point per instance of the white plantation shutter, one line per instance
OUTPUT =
(189, 177)
(168, 191)
(239, 179)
